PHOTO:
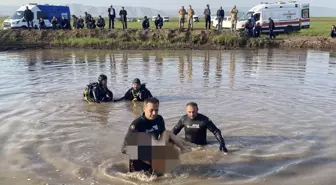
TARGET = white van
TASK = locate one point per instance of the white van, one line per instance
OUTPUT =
(40, 11)
(165, 19)
(287, 16)
(226, 22)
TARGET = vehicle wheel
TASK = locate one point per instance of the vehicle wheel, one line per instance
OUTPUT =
(289, 29)
(24, 27)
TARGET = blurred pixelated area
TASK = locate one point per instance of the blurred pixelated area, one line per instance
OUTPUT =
(163, 157)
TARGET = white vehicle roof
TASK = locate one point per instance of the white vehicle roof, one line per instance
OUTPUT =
(276, 5)
(31, 7)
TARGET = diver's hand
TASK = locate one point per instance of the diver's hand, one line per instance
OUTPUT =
(223, 148)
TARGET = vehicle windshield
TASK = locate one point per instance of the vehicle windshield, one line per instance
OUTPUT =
(246, 16)
(17, 15)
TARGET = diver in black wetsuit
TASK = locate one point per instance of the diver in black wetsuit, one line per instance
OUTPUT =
(195, 126)
(138, 92)
(150, 122)
(98, 92)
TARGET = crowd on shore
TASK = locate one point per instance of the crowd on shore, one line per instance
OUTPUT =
(252, 28)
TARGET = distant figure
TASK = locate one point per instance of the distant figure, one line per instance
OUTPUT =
(271, 26)
(252, 20)
(29, 17)
(101, 22)
(88, 18)
(42, 24)
(123, 17)
(220, 17)
(75, 20)
(207, 17)
(333, 31)
(249, 27)
(191, 14)
(234, 18)
(92, 23)
(182, 12)
(54, 23)
(257, 30)
(80, 23)
(145, 23)
(111, 15)
(65, 24)
(158, 22)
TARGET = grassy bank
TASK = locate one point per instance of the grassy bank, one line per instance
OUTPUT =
(129, 39)
(168, 38)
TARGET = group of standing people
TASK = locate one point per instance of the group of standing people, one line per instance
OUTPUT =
(207, 17)
(194, 124)
(112, 15)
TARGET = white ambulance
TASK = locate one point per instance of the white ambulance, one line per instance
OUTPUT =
(287, 16)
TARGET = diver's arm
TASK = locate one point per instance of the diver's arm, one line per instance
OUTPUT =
(125, 97)
(132, 129)
(212, 127)
(178, 127)
(95, 94)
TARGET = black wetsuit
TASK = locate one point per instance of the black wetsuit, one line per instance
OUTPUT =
(141, 95)
(196, 129)
(98, 93)
(142, 124)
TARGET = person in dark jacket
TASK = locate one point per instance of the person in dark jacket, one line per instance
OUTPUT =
(333, 31)
(249, 27)
(207, 17)
(87, 18)
(257, 30)
(158, 22)
(111, 15)
(271, 26)
(80, 23)
(92, 23)
(98, 92)
(54, 23)
(220, 17)
(101, 22)
(65, 24)
(42, 24)
(123, 17)
(138, 92)
(145, 23)
(75, 21)
(196, 125)
(29, 17)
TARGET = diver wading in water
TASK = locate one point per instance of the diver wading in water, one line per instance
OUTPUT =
(196, 125)
(138, 92)
(150, 125)
(98, 92)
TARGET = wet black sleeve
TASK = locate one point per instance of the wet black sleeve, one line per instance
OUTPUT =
(178, 127)
(125, 97)
(109, 94)
(149, 94)
(212, 127)
(132, 129)
(95, 94)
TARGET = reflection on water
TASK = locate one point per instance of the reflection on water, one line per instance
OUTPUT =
(276, 109)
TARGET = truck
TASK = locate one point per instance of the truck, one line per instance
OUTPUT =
(45, 11)
(287, 16)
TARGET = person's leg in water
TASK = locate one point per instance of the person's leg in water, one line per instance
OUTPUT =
(170, 137)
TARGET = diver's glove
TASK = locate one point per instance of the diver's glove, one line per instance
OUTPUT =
(220, 139)
(223, 148)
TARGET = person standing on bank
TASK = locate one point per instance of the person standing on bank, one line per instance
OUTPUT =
(29, 17)
(111, 15)
(220, 16)
(191, 14)
(234, 18)
(207, 17)
(196, 125)
(123, 17)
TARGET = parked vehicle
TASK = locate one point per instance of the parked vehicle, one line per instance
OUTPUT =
(44, 11)
(226, 22)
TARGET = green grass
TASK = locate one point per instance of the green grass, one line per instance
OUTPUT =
(320, 26)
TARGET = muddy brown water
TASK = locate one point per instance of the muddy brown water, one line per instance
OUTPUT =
(276, 109)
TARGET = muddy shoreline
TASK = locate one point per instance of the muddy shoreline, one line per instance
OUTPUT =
(170, 39)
